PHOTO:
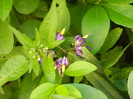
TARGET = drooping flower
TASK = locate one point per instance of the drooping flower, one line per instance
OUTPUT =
(50, 51)
(59, 36)
(79, 51)
(79, 42)
(61, 63)
(47, 53)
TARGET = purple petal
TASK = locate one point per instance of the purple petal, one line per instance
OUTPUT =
(51, 51)
(79, 40)
(59, 36)
(65, 61)
(88, 47)
(78, 37)
(58, 63)
(41, 61)
(79, 48)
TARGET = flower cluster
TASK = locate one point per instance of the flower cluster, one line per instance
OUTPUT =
(79, 41)
(61, 63)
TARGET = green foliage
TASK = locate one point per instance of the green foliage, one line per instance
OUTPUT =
(27, 86)
(120, 14)
(26, 6)
(5, 8)
(6, 40)
(119, 1)
(30, 31)
(13, 69)
(63, 15)
(79, 68)
(111, 39)
(89, 92)
(108, 59)
(130, 86)
(39, 62)
(43, 91)
(91, 25)
(49, 68)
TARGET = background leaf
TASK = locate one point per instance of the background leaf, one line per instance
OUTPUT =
(91, 25)
(28, 27)
(5, 8)
(120, 14)
(26, 6)
(89, 92)
(6, 38)
(13, 69)
(27, 86)
(130, 85)
(111, 39)
(119, 1)
(110, 58)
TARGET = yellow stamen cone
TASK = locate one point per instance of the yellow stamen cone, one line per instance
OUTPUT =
(63, 31)
(63, 68)
(85, 36)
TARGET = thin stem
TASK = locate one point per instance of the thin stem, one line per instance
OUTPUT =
(62, 49)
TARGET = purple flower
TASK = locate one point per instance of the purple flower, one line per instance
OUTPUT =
(79, 51)
(79, 40)
(41, 61)
(51, 51)
(59, 36)
(61, 63)
(47, 53)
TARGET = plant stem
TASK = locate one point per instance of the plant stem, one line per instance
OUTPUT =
(62, 49)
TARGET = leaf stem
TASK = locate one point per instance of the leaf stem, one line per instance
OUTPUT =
(62, 49)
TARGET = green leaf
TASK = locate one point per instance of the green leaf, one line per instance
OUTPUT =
(120, 14)
(130, 85)
(48, 27)
(10, 91)
(49, 68)
(79, 68)
(23, 39)
(62, 90)
(77, 79)
(119, 1)
(34, 64)
(5, 8)
(92, 59)
(62, 97)
(43, 91)
(27, 86)
(108, 59)
(1, 91)
(103, 84)
(89, 92)
(6, 38)
(130, 34)
(13, 69)
(73, 91)
(26, 6)
(96, 24)
(111, 39)
(28, 27)
(63, 15)
(15, 51)
(42, 9)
